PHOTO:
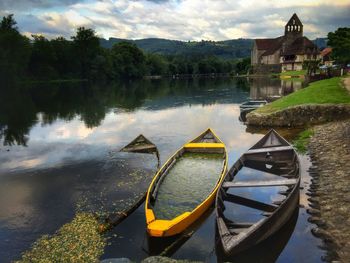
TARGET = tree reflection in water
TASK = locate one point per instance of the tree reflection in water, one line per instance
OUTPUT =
(22, 105)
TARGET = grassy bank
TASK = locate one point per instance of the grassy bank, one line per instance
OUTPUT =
(290, 74)
(302, 140)
(319, 92)
(294, 73)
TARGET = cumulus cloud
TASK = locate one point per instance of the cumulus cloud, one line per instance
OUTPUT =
(180, 19)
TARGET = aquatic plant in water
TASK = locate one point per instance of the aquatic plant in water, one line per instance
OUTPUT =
(77, 241)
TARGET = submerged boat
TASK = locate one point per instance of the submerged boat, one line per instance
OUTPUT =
(140, 145)
(277, 160)
(185, 186)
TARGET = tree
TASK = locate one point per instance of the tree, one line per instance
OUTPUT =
(64, 63)
(42, 61)
(243, 66)
(8, 23)
(156, 64)
(128, 60)
(311, 66)
(86, 48)
(15, 49)
(340, 43)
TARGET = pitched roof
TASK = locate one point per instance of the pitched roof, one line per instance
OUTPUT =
(326, 51)
(296, 19)
(301, 45)
(276, 46)
(267, 43)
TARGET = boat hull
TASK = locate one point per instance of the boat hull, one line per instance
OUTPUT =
(268, 227)
(274, 155)
(164, 228)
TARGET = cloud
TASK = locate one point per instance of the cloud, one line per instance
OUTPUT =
(179, 19)
(31, 4)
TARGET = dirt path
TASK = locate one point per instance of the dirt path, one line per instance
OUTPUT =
(347, 83)
(330, 154)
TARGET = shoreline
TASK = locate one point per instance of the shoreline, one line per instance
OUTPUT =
(300, 115)
(329, 150)
(321, 102)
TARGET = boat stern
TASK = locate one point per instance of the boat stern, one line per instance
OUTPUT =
(165, 228)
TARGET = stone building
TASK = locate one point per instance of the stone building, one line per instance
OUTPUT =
(287, 52)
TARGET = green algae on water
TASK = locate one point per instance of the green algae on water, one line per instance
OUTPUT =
(77, 241)
(187, 184)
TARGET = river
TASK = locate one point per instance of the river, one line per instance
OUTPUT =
(59, 147)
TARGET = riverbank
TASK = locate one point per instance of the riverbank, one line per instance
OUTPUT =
(329, 150)
(322, 101)
(290, 74)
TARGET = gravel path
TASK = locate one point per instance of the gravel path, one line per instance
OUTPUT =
(330, 188)
(347, 83)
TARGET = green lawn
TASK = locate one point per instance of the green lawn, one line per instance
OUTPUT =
(294, 73)
(319, 92)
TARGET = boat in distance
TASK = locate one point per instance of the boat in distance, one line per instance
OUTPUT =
(274, 158)
(185, 186)
(252, 105)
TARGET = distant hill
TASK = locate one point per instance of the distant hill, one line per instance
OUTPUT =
(228, 49)
(321, 42)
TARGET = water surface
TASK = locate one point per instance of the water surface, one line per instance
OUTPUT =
(187, 184)
(59, 149)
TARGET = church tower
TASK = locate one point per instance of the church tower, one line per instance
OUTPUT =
(293, 29)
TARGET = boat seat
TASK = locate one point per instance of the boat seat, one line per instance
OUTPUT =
(272, 149)
(249, 203)
(265, 183)
(236, 225)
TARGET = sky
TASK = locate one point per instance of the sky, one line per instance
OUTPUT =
(176, 19)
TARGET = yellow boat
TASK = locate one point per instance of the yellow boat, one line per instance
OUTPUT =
(185, 186)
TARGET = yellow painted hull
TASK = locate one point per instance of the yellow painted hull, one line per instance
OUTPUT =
(163, 228)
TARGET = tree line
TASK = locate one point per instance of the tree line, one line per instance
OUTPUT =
(22, 105)
(82, 57)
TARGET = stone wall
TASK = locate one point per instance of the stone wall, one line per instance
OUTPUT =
(271, 59)
(300, 115)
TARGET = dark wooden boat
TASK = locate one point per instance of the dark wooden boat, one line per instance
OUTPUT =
(252, 104)
(273, 156)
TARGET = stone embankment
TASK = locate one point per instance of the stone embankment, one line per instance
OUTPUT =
(330, 189)
(300, 115)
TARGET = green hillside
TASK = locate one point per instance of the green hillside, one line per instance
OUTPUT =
(229, 49)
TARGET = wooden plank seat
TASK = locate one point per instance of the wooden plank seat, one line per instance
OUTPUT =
(265, 183)
(239, 224)
(272, 149)
(249, 203)
(263, 159)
